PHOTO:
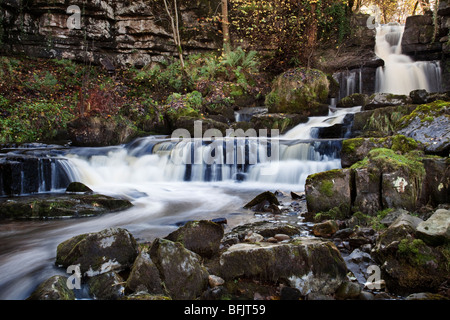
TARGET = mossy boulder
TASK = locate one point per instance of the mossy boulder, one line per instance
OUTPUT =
(356, 149)
(299, 90)
(71, 205)
(181, 271)
(429, 124)
(327, 190)
(54, 288)
(202, 237)
(408, 263)
(112, 249)
(308, 264)
(106, 286)
(187, 105)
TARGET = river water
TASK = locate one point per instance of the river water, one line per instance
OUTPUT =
(164, 192)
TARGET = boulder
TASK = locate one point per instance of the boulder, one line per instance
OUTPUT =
(325, 229)
(106, 286)
(54, 288)
(430, 125)
(112, 249)
(353, 100)
(408, 264)
(436, 185)
(78, 187)
(144, 275)
(262, 199)
(348, 290)
(436, 229)
(308, 264)
(299, 90)
(202, 237)
(181, 271)
(327, 190)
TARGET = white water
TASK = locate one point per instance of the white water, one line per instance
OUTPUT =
(145, 172)
(400, 74)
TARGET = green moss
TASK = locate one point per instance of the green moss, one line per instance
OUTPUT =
(425, 112)
(403, 144)
(416, 251)
(326, 188)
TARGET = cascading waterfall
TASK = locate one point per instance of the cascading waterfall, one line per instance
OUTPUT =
(400, 74)
(287, 159)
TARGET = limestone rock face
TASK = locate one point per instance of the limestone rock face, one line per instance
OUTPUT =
(111, 32)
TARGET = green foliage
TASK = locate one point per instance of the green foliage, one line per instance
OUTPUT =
(37, 121)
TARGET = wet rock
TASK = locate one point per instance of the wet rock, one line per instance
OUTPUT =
(288, 293)
(261, 198)
(78, 187)
(112, 249)
(54, 288)
(144, 275)
(180, 269)
(353, 100)
(325, 229)
(202, 237)
(253, 237)
(276, 121)
(310, 265)
(348, 290)
(436, 229)
(429, 124)
(106, 286)
(60, 206)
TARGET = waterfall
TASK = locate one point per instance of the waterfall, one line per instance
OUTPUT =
(400, 74)
(286, 159)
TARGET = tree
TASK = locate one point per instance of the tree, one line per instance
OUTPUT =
(172, 12)
(225, 26)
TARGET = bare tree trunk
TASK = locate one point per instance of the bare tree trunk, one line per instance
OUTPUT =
(175, 29)
(225, 26)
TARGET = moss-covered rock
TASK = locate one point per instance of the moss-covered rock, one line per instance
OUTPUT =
(429, 124)
(408, 263)
(106, 286)
(327, 190)
(54, 288)
(299, 90)
(112, 249)
(202, 237)
(181, 271)
(353, 100)
(60, 206)
(78, 187)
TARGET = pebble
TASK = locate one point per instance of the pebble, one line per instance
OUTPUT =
(215, 281)
(282, 237)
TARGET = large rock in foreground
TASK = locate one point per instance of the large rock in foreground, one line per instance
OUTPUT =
(181, 271)
(112, 249)
(54, 288)
(308, 264)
